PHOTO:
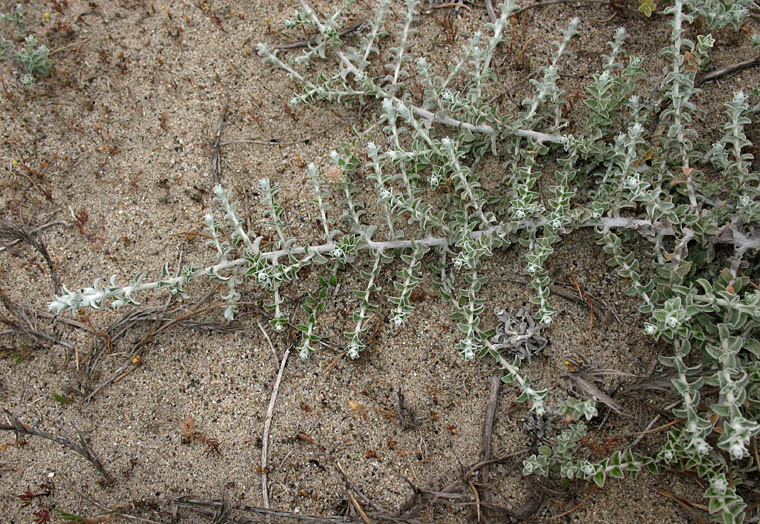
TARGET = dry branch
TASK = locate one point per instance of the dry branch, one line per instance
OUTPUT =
(83, 448)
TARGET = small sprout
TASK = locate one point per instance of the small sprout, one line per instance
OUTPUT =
(647, 7)
(42, 516)
(69, 517)
(61, 399)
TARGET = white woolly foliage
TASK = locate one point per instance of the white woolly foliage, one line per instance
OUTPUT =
(609, 175)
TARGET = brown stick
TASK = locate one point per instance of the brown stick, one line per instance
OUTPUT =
(728, 70)
(485, 454)
(195, 504)
(359, 509)
(72, 44)
(446, 5)
(477, 498)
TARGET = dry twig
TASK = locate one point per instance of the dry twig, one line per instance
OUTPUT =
(594, 489)
(684, 503)
(726, 71)
(210, 507)
(160, 324)
(580, 381)
(267, 425)
(458, 494)
(129, 320)
(306, 43)
(26, 323)
(555, 2)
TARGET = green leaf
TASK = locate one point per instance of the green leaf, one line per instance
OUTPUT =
(599, 479)
(647, 7)
(615, 472)
(69, 517)
(60, 398)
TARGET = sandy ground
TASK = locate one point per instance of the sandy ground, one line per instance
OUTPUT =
(122, 133)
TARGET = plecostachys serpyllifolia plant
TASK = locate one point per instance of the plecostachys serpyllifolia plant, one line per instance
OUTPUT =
(703, 238)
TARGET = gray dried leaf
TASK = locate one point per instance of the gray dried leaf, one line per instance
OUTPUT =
(540, 428)
(519, 334)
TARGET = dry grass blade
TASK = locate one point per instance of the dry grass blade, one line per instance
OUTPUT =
(654, 382)
(460, 493)
(222, 514)
(36, 230)
(161, 323)
(13, 233)
(57, 319)
(580, 382)
(83, 448)
(216, 149)
(268, 423)
(571, 294)
(657, 381)
(555, 2)
(118, 512)
(359, 509)
(151, 314)
(131, 319)
(486, 439)
(584, 389)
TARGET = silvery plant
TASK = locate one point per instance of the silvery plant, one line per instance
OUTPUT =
(703, 237)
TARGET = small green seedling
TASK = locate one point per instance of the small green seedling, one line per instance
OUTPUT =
(33, 57)
(61, 399)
